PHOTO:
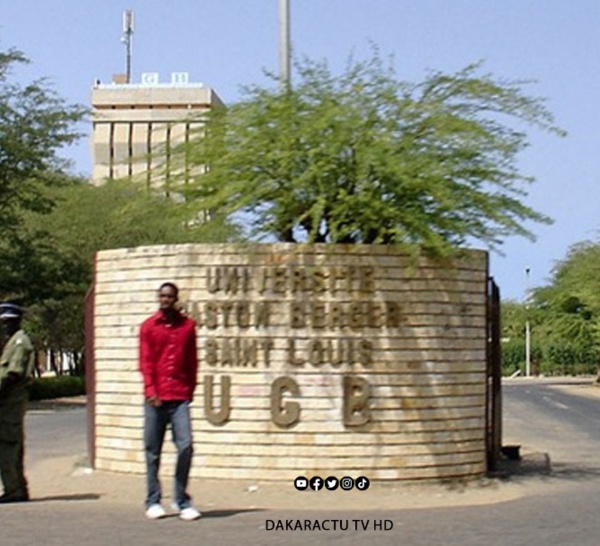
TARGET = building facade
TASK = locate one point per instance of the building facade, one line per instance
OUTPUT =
(135, 127)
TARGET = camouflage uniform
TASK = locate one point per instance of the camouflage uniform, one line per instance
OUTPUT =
(17, 358)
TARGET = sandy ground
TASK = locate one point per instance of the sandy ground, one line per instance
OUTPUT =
(66, 478)
(70, 478)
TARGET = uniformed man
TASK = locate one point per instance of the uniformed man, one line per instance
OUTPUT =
(16, 368)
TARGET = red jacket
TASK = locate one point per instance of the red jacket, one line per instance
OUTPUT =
(168, 357)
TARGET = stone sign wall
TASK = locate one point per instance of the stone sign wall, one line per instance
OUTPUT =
(314, 359)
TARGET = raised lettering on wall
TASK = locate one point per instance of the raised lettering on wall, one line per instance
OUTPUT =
(357, 392)
(286, 414)
(221, 416)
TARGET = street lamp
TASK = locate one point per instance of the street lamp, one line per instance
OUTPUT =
(527, 327)
(284, 42)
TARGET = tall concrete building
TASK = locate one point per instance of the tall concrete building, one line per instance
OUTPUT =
(136, 126)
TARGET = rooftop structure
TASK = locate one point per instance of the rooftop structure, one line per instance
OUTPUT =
(137, 125)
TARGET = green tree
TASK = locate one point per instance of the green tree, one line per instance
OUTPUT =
(366, 158)
(513, 318)
(570, 305)
(35, 124)
(52, 268)
(118, 214)
(575, 281)
(53, 223)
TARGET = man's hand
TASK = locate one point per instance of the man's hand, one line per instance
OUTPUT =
(7, 384)
(154, 401)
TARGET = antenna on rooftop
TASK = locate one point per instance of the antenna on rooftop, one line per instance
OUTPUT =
(126, 39)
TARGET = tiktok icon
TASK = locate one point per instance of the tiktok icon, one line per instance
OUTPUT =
(362, 483)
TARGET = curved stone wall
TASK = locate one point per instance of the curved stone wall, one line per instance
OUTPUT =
(314, 360)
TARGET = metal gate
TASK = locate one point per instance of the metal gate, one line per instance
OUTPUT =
(493, 378)
(90, 375)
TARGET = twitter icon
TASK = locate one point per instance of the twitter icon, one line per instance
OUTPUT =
(332, 483)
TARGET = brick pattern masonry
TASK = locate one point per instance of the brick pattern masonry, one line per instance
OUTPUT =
(314, 360)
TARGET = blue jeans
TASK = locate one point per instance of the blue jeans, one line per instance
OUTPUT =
(177, 414)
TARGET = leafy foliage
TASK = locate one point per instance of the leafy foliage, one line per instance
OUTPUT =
(52, 269)
(118, 214)
(564, 315)
(34, 125)
(366, 158)
(53, 223)
(48, 388)
(513, 356)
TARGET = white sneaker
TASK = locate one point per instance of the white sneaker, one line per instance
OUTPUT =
(155, 511)
(189, 514)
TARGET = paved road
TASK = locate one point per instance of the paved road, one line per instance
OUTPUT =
(55, 431)
(558, 509)
(543, 417)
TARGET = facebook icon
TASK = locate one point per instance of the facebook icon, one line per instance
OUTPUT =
(316, 483)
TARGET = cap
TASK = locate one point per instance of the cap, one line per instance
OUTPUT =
(10, 310)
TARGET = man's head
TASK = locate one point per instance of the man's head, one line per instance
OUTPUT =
(10, 317)
(167, 296)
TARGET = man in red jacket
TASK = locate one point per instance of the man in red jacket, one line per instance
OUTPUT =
(169, 365)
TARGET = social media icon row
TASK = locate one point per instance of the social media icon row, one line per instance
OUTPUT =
(316, 483)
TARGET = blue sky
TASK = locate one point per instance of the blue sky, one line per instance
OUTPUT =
(228, 43)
